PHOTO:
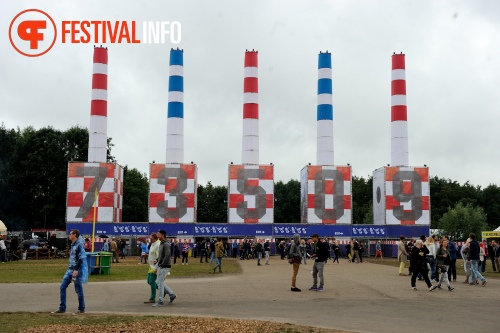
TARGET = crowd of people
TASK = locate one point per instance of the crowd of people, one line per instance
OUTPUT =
(433, 259)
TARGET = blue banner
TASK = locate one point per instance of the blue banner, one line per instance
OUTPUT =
(173, 229)
(306, 230)
(365, 231)
(413, 231)
(202, 229)
(250, 229)
(238, 230)
(110, 229)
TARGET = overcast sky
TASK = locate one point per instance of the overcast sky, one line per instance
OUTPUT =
(452, 69)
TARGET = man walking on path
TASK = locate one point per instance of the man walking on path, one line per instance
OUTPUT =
(320, 256)
(77, 272)
(163, 262)
(473, 258)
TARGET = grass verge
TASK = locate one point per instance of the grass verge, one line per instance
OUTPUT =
(45, 322)
(52, 270)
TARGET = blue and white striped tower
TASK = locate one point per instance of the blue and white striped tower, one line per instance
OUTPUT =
(324, 152)
(175, 121)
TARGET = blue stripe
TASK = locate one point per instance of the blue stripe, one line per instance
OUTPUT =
(324, 86)
(176, 83)
(325, 112)
(176, 58)
(324, 60)
(175, 110)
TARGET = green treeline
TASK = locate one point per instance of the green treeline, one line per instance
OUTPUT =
(33, 175)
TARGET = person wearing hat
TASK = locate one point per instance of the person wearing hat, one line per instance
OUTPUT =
(320, 256)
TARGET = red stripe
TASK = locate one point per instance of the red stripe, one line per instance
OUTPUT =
(424, 173)
(269, 200)
(251, 59)
(250, 110)
(347, 202)
(251, 85)
(398, 87)
(99, 81)
(268, 171)
(398, 61)
(99, 108)
(425, 203)
(101, 55)
(398, 112)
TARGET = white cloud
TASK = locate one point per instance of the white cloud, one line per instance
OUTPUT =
(452, 51)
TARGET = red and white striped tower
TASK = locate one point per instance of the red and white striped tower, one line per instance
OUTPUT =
(98, 135)
(250, 152)
(399, 125)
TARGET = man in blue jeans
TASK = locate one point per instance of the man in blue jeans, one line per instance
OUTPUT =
(473, 258)
(77, 272)
(164, 266)
(320, 256)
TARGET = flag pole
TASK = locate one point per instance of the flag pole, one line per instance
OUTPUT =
(96, 195)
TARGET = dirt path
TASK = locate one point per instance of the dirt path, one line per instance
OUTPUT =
(357, 297)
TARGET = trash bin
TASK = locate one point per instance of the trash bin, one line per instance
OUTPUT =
(92, 262)
(105, 262)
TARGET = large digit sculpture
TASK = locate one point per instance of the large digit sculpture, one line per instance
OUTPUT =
(251, 198)
(96, 179)
(251, 186)
(172, 193)
(325, 188)
(401, 195)
(400, 192)
(84, 179)
(173, 186)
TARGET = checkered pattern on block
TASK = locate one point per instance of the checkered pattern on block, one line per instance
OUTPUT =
(83, 179)
(172, 193)
(251, 194)
(328, 196)
(407, 195)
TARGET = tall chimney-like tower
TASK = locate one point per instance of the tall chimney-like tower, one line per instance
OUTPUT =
(324, 152)
(399, 125)
(98, 134)
(175, 121)
(250, 151)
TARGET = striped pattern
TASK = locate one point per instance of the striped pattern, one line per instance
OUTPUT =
(99, 107)
(175, 191)
(399, 127)
(324, 152)
(175, 121)
(250, 144)
(401, 196)
(82, 181)
(325, 196)
(251, 194)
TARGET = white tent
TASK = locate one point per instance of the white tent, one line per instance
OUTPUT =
(497, 229)
(3, 229)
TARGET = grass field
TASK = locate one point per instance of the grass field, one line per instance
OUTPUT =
(52, 270)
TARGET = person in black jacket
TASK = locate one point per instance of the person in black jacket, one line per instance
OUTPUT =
(320, 256)
(473, 258)
(419, 265)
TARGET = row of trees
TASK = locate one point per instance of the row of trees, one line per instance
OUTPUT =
(33, 173)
